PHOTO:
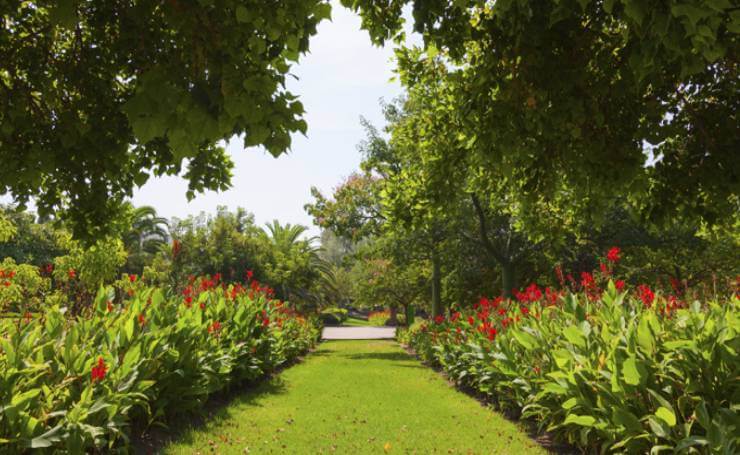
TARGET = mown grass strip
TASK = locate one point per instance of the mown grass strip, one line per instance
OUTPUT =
(356, 397)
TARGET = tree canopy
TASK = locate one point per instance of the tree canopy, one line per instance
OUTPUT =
(576, 102)
(95, 97)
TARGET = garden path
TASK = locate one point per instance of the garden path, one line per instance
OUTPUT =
(358, 333)
(355, 397)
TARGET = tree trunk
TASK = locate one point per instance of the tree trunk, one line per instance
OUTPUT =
(393, 320)
(508, 279)
(436, 285)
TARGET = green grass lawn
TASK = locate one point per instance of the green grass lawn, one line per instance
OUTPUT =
(355, 397)
(356, 322)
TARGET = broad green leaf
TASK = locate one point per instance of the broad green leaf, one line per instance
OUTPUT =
(666, 415)
(624, 417)
(631, 372)
(575, 336)
(584, 421)
(645, 337)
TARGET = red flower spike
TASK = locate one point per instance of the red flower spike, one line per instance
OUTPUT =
(646, 295)
(214, 328)
(98, 371)
(613, 254)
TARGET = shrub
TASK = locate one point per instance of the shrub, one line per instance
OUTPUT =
(613, 371)
(379, 318)
(334, 315)
(77, 384)
(21, 287)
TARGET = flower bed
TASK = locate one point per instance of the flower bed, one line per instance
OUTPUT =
(77, 384)
(607, 371)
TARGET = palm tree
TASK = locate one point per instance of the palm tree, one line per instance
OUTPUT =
(288, 246)
(147, 235)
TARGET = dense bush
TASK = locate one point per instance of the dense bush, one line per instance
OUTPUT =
(606, 371)
(77, 384)
(379, 318)
(333, 315)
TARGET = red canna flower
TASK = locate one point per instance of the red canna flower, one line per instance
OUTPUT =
(471, 320)
(11, 274)
(265, 322)
(646, 295)
(604, 269)
(613, 254)
(619, 284)
(214, 328)
(142, 320)
(250, 274)
(501, 311)
(587, 280)
(132, 278)
(491, 333)
(71, 273)
(455, 316)
(98, 371)
(439, 319)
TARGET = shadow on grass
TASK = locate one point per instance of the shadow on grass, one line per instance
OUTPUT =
(217, 408)
(398, 359)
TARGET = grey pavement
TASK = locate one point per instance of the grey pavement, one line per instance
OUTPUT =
(358, 333)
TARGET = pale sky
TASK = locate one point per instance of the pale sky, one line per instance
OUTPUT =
(342, 78)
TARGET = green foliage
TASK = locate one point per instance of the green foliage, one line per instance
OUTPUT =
(577, 102)
(96, 97)
(21, 287)
(294, 264)
(160, 357)
(33, 241)
(333, 315)
(379, 282)
(92, 266)
(610, 374)
(379, 318)
(147, 235)
(228, 243)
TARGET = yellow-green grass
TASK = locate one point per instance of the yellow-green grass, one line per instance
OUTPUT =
(356, 397)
